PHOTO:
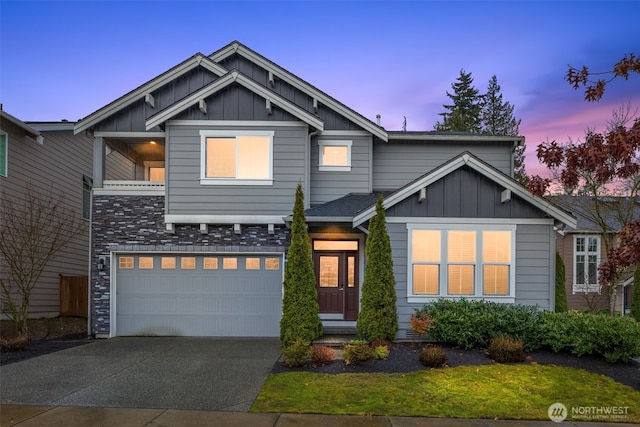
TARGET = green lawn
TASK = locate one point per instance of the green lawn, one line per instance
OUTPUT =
(491, 391)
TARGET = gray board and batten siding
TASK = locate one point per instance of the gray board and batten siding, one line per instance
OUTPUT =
(396, 163)
(185, 195)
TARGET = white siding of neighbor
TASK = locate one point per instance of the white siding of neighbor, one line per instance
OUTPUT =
(397, 163)
(55, 167)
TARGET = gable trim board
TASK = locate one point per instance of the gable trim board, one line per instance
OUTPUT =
(476, 164)
(239, 48)
(189, 64)
(221, 83)
(30, 131)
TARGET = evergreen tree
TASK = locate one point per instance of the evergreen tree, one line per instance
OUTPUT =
(635, 302)
(561, 288)
(378, 318)
(497, 118)
(300, 308)
(464, 114)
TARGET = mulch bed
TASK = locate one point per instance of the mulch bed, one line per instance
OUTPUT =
(403, 357)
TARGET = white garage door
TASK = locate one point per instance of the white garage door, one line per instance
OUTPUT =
(198, 295)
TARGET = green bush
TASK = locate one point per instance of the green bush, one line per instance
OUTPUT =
(378, 317)
(433, 356)
(300, 318)
(561, 287)
(297, 354)
(635, 299)
(356, 351)
(506, 349)
(470, 323)
(617, 338)
(380, 352)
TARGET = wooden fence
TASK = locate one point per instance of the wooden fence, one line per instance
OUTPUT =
(73, 296)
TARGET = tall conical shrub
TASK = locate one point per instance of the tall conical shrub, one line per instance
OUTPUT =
(300, 308)
(561, 288)
(635, 301)
(378, 318)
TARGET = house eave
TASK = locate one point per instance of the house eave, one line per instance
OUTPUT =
(30, 131)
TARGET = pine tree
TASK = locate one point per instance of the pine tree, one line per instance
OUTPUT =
(635, 302)
(464, 114)
(497, 118)
(300, 308)
(561, 288)
(378, 318)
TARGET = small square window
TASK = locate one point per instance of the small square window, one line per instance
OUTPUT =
(211, 263)
(229, 263)
(188, 263)
(145, 263)
(168, 262)
(334, 155)
(125, 262)
(272, 264)
(252, 264)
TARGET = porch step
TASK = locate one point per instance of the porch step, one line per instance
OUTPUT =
(335, 340)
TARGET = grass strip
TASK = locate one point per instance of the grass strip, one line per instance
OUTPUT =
(514, 392)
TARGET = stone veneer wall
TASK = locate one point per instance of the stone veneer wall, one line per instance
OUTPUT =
(136, 223)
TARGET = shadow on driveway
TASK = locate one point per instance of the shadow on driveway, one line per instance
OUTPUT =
(211, 374)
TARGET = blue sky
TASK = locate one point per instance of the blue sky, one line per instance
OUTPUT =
(64, 60)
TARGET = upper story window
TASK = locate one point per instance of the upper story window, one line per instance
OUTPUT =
(236, 158)
(334, 155)
(4, 153)
(461, 262)
(586, 260)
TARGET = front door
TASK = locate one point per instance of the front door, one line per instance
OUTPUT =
(337, 279)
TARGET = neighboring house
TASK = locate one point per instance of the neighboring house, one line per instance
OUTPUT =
(583, 249)
(195, 175)
(53, 160)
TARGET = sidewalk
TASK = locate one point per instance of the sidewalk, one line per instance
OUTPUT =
(25, 416)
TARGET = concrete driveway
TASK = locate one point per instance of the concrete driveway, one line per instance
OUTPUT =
(145, 372)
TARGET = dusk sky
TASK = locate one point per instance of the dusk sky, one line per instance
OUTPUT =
(64, 60)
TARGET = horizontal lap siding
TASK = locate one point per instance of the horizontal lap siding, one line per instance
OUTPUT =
(535, 260)
(396, 164)
(331, 185)
(185, 195)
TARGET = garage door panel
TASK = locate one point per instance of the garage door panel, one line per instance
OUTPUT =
(198, 302)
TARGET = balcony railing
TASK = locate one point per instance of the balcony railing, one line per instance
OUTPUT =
(133, 188)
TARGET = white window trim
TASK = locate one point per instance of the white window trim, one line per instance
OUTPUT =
(6, 154)
(333, 143)
(478, 288)
(582, 287)
(204, 134)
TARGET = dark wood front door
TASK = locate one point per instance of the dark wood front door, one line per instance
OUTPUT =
(337, 282)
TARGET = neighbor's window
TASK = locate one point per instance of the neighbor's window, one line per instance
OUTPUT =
(4, 153)
(236, 157)
(335, 155)
(87, 186)
(586, 261)
(461, 262)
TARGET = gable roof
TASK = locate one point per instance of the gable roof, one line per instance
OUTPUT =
(184, 67)
(221, 83)
(298, 83)
(468, 159)
(612, 208)
(31, 132)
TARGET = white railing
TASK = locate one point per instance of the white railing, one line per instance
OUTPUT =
(131, 188)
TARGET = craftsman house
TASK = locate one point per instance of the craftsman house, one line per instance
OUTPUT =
(195, 174)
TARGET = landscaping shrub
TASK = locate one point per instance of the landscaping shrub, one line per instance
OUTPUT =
(322, 355)
(506, 349)
(421, 323)
(378, 317)
(617, 338)
(380, 342)
(561, 287)
(433, 356)
(297, 354)
(380, 352)
(356, 351)
(470, 323)
(635, 298)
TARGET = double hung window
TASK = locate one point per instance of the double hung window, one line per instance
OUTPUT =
(461, 262)
(586, 261)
